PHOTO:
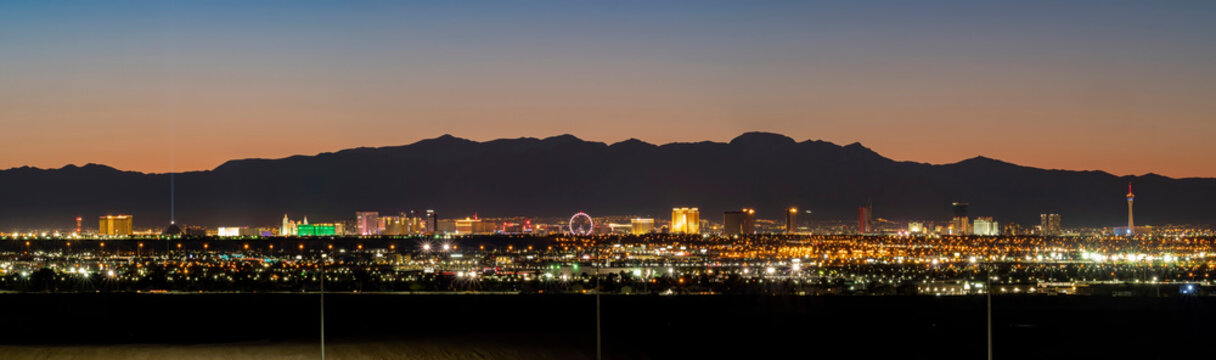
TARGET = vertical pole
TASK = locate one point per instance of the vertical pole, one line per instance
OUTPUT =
(598, 343)
(322, 307)
(988, 279)
(172, 200)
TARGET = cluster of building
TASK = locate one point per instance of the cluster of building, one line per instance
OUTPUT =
(684, 220)
(959, 225)
(367, 223)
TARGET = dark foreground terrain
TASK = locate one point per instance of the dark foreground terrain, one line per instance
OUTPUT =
(391, 326)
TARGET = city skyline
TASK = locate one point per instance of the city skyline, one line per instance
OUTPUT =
(683, 221)
(181, 86)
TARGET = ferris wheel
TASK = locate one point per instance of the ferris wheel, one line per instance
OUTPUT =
(581, 224)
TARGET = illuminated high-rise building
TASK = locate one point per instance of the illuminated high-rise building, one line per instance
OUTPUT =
(960, 224)
(865, 219)
(474, 225)
(1131, 223)
(641, 226)
(227, 231)
(114, 225)
(432, 221)
(402, 225)
(316, 230)
(393, 225)
(367, 223)
(1013, 230)
(1050, 224)
(289, 227)
(985, 226)
(791, 220)
(685, 221)
(739, 222)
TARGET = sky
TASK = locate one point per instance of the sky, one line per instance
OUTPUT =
(1127, 87)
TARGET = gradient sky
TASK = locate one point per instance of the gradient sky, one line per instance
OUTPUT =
(1128, 87)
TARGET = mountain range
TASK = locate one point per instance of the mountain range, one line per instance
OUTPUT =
(561, 175)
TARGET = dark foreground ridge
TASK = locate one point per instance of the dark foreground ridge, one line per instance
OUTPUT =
(563, 174)
(657, 327)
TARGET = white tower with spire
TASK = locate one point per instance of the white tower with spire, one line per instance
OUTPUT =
(288, 228)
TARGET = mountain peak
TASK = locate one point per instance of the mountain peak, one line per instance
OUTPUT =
(858, 148)
(980, 159)
(632, 142)
(90, 167)
(561, 139)
(446, 139)
(1153, 176)
(987, 163)
(762, 138)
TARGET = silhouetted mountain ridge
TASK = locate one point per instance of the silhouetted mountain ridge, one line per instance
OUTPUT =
(562, 174)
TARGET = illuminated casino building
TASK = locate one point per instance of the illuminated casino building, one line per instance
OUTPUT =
(401, 225)
(1049, 224)
(230, 231)
(114, 225)
(367, 223)
(224, 231)
(474, 225)
(865, 219)
(289, 227)
(985, 226)
(639, 226)
(316, 230)
(432, 221)
(685, 221)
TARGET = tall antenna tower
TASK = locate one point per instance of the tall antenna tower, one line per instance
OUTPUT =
(1131, 223)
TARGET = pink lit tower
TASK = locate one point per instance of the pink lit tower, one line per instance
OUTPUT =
(1131, 224)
